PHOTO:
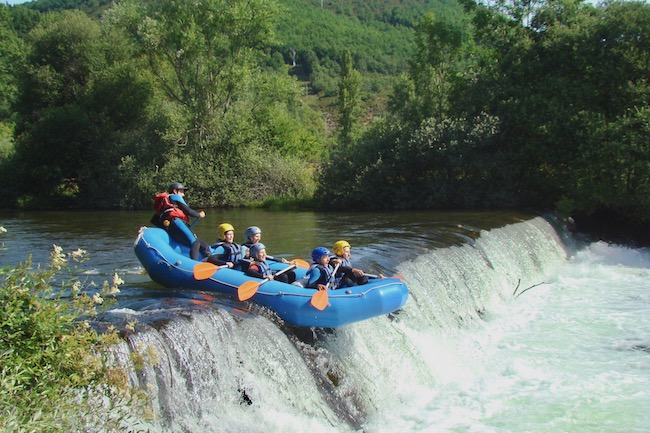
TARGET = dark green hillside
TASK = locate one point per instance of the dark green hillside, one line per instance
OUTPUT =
(94, 8)
(379, 34)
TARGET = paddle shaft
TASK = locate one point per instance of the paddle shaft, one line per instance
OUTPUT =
(336, 268)
(298, 262)
(320, 299)
(282, 271)
(377, 276)
(249, 288)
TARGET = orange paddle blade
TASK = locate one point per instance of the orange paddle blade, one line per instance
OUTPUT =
(320, 300)
(204, 270)
(248, 289)
(300, 263)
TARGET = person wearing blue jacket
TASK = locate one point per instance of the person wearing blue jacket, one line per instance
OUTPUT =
(321, 273)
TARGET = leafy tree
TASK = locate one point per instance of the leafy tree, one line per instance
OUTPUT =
(233, 113)
(348, 98)
(202, 54)
(435, 65)
(82, 102)
(11, 57)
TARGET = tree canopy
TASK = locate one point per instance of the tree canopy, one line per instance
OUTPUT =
(499, 104)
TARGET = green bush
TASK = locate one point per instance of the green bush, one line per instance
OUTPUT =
(54, 368)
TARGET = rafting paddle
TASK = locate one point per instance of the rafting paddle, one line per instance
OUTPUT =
(320, 300)
(300, 263)
(205, 270)
(399, 277)
(248, 289)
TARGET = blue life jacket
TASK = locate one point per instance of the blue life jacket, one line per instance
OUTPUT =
(231, 251)
(263, 267)
(325, 275)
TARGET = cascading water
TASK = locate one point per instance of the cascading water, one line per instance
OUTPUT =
(221, 369)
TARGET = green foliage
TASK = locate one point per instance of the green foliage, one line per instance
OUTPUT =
(512, 104)
(12, 50)
(348, 99)
(434, 71)
(378, 34)
(541, 106)
(55, 374)
(427, 168)
(239, 120)
(562, 86)
(81, 75)
(201, 53)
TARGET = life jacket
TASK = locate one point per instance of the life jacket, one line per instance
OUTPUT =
(233, 251)
(345, 263)
(248, 246)
(263, 268)
(326, 274)
(166, 210)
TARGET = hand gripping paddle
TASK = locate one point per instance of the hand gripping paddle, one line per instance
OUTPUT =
(320, 300)
(248, 289)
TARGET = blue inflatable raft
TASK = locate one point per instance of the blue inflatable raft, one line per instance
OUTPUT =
(168, 264)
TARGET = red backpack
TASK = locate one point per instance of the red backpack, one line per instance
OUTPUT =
(165, 209)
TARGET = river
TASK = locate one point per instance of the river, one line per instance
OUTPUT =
(513, 325)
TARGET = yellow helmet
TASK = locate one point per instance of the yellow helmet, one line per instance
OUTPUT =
(223, 228)
(338, 247)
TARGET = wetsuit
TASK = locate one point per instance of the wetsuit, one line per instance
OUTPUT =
(345, 277)
(181, 232)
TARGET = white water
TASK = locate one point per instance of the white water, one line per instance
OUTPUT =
(571, 354)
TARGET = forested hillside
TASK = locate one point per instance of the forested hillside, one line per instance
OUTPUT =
(401, 105)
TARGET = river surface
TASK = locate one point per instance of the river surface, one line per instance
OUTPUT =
(512, 325)
(379, 239)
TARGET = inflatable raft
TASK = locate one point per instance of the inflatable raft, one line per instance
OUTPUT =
(168, 264)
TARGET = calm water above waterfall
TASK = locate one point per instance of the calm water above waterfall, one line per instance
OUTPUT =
(510, 327)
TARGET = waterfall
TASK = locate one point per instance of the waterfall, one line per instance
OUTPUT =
(220, 369)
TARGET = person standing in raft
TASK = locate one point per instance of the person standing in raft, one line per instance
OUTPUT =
(321, 273)
(173, 215)
(347, 275)
(225, 251)
(259, 268)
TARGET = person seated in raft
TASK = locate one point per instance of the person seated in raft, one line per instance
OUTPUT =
(259, 268)
(347, 275)
(253, 235)
(321, 273)
(225, 251)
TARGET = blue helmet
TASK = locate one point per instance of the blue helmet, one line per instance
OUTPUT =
(252, 231)
(255, 248)
(318, 253)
